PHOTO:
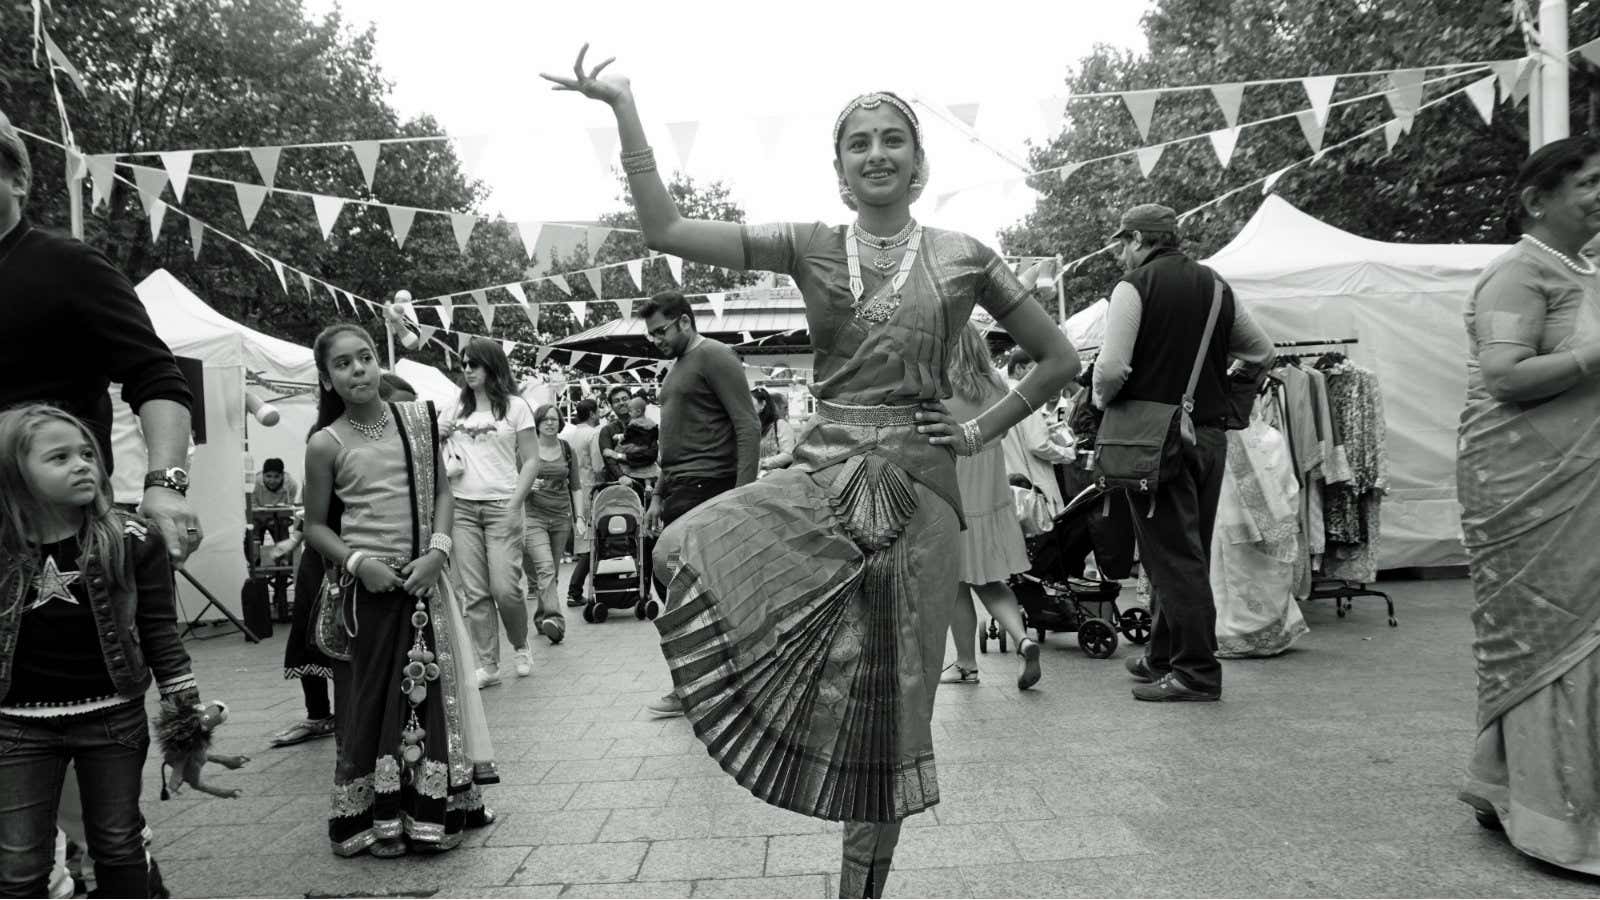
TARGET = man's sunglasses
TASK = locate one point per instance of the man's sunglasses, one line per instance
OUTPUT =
(661, 330)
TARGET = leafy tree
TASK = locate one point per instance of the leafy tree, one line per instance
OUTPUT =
(1446, 182)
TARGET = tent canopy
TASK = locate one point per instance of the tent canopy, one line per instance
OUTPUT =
(1305, 280)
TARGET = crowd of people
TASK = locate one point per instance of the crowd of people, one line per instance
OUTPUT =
(426, 532)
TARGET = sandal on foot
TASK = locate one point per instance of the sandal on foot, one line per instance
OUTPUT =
(1028, 649)
(300, 732)
(954, 674)
(389, 848)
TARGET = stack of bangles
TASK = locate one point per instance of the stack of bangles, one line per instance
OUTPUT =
(352, 563)
(971, 437)
(639, 162)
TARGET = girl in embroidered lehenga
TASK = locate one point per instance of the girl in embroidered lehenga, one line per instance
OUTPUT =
(414, 744)
(807, 610)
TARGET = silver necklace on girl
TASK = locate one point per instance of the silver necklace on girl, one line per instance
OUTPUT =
(883, 262)
(1588, 268)
(883, 304)
(373, 432)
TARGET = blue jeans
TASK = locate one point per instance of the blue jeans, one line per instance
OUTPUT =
(108, 750)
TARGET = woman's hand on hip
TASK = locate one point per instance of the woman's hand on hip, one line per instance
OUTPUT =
(422, 574)
(610, 90)
(943, 429)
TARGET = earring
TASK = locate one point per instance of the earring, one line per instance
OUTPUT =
(847, 196)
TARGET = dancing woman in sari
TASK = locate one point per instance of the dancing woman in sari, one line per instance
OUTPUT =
(1528, 475)
(807, 610)
(413, 741)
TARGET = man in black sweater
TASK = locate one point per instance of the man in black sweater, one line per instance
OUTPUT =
(710, 436)
(73, 325)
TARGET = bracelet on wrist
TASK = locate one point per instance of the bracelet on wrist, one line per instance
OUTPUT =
(352, 563)
(441, 542)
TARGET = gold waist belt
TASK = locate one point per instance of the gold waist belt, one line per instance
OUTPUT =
(880, 416)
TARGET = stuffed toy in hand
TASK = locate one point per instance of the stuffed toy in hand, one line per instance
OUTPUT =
(184, 731)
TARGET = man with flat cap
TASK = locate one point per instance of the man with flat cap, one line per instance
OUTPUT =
(1157, 316)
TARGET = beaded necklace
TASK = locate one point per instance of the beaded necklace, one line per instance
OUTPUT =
(1568, 261)
(373, 432)
(883, 262)
(880, 307)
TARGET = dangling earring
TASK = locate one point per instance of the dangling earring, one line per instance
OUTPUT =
(847, 196)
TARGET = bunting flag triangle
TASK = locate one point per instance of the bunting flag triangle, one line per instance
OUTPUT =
(463, 223)
(481, 298)
(1481, 93)
(517, 293)
(1228, 97)
(635, 269)
(469, 152)
(61, 62)
(277, 268)
(425, 334)
(177, 164)
(1066, 171)
(718, 303)
(305, 282)
(768, 130)
(328, 209)
(150, 183)
(1142, 106)
(507, 346)
(594, 281)
(1272, 181)
(746, 337)
(605, 360)
(447, 312)
(560, 281)
(1148, 157)
(158, 213)
(1319, 91)
(102, 171)
(966, 112)
(540, 354)
(1523, 83)
(1311, 128)
(1591, 51)
(197, 235)
(1405, 98)
(529, 232)
(575, 355)
(400, 219)
(266, 159)
(683, 135)
(605, 146)
(462, 340)
(1392, 130)
(367, 158)
(675, 268)
(580, 310)
(531, 310)
(596, 235)
(1505, 72)
(625, 309)
(1406, 123)
(251, 196)
(1224, 142)
(334, 295)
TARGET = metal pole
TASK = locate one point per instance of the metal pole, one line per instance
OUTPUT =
(389, 330)
(1061, 290)
(75, 199)
(1554, 104)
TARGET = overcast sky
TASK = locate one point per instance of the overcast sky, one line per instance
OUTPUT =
(753, 75)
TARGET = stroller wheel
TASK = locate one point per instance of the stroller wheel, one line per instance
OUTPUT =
(638, 610)
(1097, 639)
(601, 612)
(1134, 624)
(652, 608)
(588, 612)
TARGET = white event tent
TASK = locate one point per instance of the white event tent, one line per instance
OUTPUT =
(1305, 280)
(236, 444)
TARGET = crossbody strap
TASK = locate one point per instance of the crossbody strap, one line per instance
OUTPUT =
(1205, 342)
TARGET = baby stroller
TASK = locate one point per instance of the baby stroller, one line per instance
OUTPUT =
(616, 560)
(1055, 595)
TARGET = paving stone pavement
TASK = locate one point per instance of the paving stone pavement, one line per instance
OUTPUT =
(1325, 772)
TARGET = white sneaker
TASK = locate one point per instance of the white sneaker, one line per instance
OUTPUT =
(524, 663)
(488, 676)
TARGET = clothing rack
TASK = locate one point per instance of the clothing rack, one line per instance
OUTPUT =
(1339, 590)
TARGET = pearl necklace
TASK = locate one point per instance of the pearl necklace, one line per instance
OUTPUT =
(883, 262)
(1565, 259)
(882, 305)
(373, 432)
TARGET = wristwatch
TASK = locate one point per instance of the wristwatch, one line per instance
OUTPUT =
(173, 479)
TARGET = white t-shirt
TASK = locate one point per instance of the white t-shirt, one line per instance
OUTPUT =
(488, 449)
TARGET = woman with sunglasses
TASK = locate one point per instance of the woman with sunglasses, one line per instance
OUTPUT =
(491, 436)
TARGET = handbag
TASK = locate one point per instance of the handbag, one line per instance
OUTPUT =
(1134, 449)
(328, 632)
(1242, 388)
(1033, 510)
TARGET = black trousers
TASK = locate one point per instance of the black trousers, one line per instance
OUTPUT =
(678, 497)
(1175, 549)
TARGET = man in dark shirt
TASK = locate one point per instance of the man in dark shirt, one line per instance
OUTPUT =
(710, 436)
(73, 325)
(610, 437)
(1158, 313)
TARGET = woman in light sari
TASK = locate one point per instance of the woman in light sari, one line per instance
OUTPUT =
(806, 627)
(1528, 477)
